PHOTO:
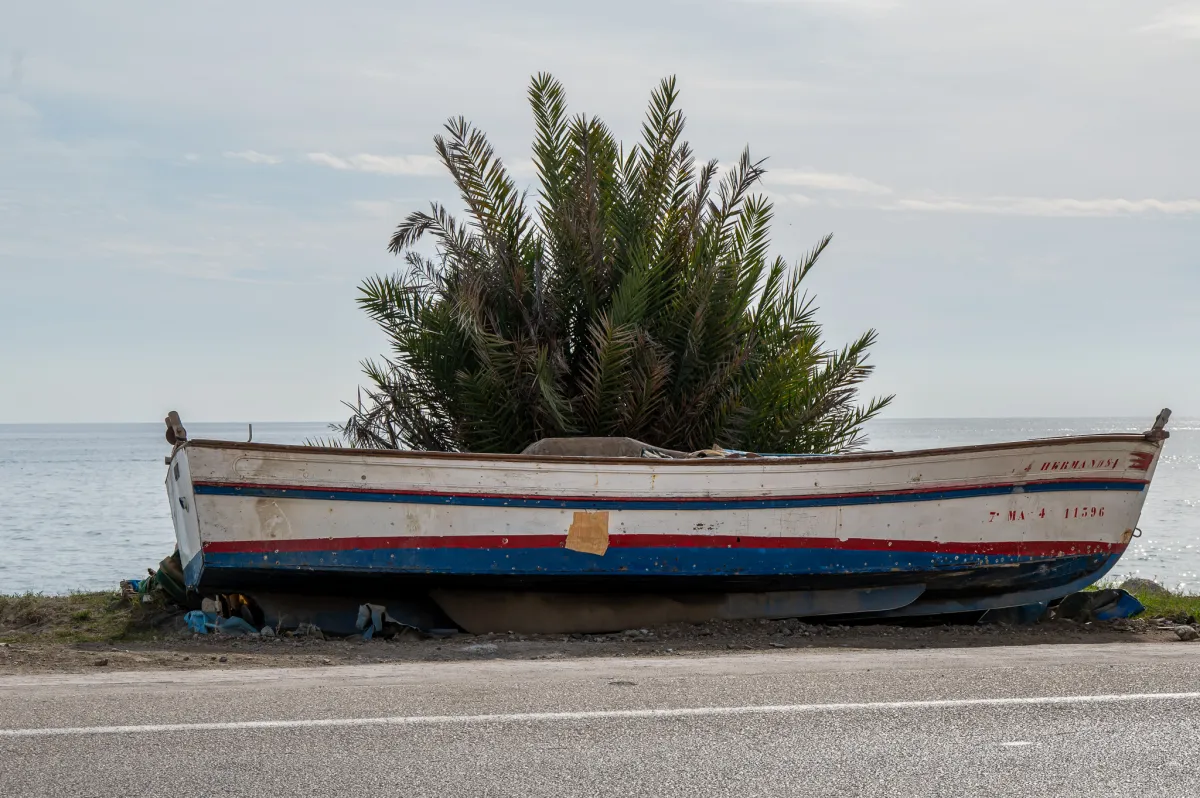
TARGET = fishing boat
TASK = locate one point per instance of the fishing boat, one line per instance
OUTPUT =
(562, 539)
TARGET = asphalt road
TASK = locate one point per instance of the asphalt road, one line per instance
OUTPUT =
(1061, 720)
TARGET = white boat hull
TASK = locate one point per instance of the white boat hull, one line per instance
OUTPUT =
(969, 522)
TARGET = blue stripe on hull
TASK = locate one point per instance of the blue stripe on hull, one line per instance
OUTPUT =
(401, 497)
(617, 562)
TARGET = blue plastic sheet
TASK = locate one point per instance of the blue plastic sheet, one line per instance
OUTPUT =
(235, 626)
(208, 622)
(374, 619)
(200, 622)
(1125, 606)
(1106, 604)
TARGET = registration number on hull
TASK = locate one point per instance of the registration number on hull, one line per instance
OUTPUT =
(1069, 512)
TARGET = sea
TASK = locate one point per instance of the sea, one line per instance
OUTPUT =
(82, 506)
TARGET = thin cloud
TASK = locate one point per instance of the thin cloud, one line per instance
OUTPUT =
(16, 71)
(380, 164)
(1052, 207)
(868, 6)
(254, 157)
(378, 209)
(521, 168)
(1181, 21)
(13, 107)
(826, 181)
(792, 199)
(850, 191)
(408, 165)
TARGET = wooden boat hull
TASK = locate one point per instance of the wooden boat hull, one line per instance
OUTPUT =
(968, 524)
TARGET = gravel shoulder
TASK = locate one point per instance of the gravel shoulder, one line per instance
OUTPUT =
(169, 647)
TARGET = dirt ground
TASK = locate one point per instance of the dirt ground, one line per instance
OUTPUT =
(170, 647)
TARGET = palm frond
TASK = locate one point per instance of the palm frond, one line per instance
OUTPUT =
(634, 295)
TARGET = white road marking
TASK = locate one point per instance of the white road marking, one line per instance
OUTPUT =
(1016, 743)
(602, 714)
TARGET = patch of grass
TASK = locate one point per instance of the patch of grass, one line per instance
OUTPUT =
(74, 618)
(1176, 606)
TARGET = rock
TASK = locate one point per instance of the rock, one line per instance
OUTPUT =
(222, 658)
(267, 631)
(1144, 586)
(482, 648)
(1186, 633)
(100, 663)
(309, 630)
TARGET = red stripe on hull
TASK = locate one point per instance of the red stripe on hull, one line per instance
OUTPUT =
(1026, 548)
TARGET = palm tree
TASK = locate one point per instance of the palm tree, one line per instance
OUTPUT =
(631, 296)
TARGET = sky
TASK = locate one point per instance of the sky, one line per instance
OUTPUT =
(190, 194)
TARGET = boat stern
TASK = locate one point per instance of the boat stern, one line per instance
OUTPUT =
(182, 498)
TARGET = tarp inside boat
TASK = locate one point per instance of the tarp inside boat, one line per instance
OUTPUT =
(598, 447)
(619, 447)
